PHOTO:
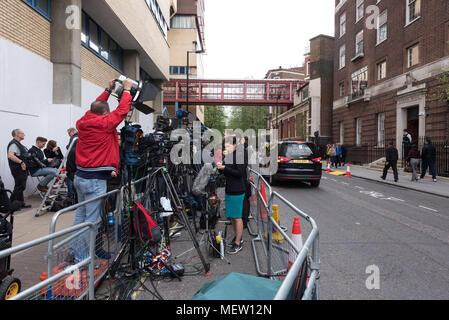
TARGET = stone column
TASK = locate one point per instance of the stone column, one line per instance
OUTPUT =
(66, 51)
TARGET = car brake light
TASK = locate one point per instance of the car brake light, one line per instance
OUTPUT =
(317, 160)
(283, 159)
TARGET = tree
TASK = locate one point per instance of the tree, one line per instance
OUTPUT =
(215, 118)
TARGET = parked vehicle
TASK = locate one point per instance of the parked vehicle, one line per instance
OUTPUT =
(298, 161)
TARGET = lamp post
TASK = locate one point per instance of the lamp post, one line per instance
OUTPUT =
(188, 73)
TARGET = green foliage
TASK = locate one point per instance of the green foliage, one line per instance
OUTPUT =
(248, 117)
(215, 118)
(442, 90)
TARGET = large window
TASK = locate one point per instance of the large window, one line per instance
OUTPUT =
(382, 70)
(342, 56)
(413, 10)
(97, 41)
(382, 27)
(343, 24)
(381, 130)
(41, 6)
(157, 14)
(413, 55)
(359, 81)
(358, 131)
(182, 22)
(359, 43)
(342, 132)
(360, 10)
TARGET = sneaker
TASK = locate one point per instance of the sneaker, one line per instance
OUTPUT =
(382, 177)
(434, 180)
(231, 243)
(235, 249)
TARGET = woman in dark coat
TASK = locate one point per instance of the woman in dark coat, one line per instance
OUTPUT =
(235, 190)
(52, 151)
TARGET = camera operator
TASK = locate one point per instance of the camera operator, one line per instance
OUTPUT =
(97, 160)
(16, 160)
(39, 168)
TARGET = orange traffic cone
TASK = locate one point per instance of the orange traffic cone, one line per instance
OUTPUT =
(328, 167)
(263, 210)
(348, 171)
(297, 240)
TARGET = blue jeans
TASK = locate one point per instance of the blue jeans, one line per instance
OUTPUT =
(48, 174)
(70, 188)
(87, 189)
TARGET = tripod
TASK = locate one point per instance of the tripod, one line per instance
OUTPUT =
(180, 210)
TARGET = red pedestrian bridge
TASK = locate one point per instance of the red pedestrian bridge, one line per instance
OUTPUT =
(231, 92)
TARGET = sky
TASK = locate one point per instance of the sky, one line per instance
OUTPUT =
(246, 38)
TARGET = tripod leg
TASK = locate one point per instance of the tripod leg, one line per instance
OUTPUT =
(179, 207)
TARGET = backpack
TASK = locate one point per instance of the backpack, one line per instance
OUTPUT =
(5, 203)
(147, 230)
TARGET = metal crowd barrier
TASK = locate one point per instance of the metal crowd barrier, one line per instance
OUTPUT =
(276, 250)
(42, 289)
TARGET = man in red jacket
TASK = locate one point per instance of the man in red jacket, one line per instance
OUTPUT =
(97, 160)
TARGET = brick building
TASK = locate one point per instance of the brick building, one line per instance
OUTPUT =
(312, 109)
(57, 56)
(385, 68)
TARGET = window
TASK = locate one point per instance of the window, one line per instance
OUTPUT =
(382, 70)
(177, 70)
(359, 43)
(359, 81)
(182, 22)
(343, 24)
(342, 89)
(158, 16)
(358, 129)
(94, 43)
(382, 27)
(360, 10)
(41, 6)
(413, 56)
(381, 130)
(413, 10)
(98, 42)
(342, 56)
(342, 132)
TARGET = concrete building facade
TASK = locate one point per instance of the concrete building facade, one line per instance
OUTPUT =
(186, 34)
(57, 56)
(388, 55)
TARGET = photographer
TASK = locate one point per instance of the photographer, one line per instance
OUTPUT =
(16, 160)
(39, 167)
(97, 160)
(52, 151)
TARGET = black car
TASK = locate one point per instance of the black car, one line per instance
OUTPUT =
(298, 161)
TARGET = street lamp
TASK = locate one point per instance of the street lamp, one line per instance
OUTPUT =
(188, 73)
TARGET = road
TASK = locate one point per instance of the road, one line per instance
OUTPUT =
(404, 234)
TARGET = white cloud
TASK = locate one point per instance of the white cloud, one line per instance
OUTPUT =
(246, 38)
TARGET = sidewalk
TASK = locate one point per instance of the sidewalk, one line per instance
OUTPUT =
(440, 188)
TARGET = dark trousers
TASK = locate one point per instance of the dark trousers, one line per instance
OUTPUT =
(20, 183)
(394, 166)
(431, 165)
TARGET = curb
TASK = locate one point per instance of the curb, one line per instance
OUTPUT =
(355, 175)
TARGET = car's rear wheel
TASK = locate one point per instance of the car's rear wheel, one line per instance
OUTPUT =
(315, 183)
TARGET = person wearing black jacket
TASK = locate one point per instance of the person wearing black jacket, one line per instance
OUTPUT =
(16, 160)
(40, 167)
(246, 204)
(392, 156)
(429, 155)
(235, 190)
(413, 159)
